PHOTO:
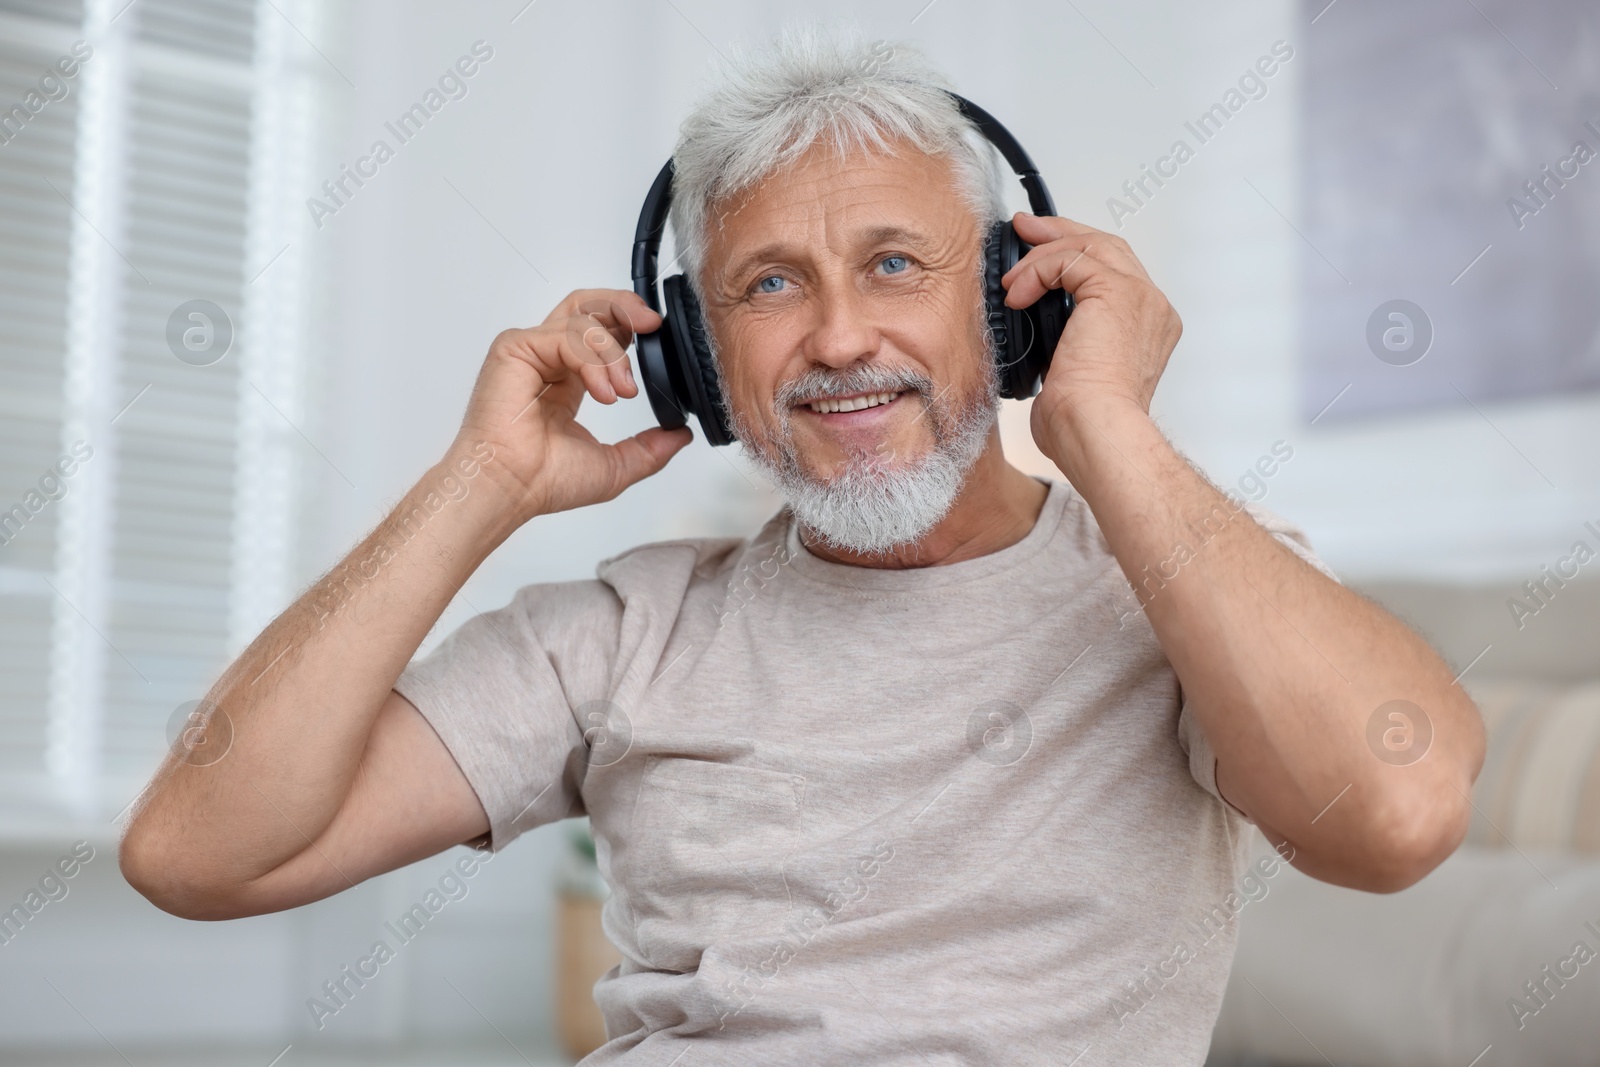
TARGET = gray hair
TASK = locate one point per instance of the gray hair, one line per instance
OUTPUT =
(810, 86)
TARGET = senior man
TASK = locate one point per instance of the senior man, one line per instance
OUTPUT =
(907, 775)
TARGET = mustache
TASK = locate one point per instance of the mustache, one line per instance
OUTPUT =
(821, 384)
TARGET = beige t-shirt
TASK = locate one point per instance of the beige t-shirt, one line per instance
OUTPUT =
(948, 815)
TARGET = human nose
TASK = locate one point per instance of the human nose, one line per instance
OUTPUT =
(845, 331)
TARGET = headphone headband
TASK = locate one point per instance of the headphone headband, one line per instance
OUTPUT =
(647, 236)
(1012, 151)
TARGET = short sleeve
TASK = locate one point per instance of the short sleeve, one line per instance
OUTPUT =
(1202, 760)
(501, 691)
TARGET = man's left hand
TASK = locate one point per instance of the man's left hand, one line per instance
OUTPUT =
(1119, 336)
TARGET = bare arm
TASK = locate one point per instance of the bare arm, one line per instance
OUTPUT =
(330, 776)
(1283, 667)
(407, 800)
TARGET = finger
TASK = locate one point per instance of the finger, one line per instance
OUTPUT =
(609, 315)
(1067, 269)
(632, 307)
(637, 457)
(1051, 227)
(1109, 249)
(621, 319)
(549, 352)
(626, 311)
(596, 375)
(600, 344)
(559, 400)
(629, 316)
(1041, 230)
(570, 303)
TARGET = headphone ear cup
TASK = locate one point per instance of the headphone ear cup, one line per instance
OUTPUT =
(1012, 328)
(996, 312)
(657, 359)
(696, 368)
(1025, 338)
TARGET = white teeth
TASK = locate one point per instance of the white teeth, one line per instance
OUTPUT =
(856, 403)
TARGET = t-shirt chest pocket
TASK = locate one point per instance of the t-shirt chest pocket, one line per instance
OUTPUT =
(705, 852)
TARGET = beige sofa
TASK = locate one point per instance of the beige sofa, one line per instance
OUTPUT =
(1494, 958)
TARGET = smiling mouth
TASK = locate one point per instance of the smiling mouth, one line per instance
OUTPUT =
(834, 405)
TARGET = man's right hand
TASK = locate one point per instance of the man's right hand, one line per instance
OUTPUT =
(333, 777)
(526, 399)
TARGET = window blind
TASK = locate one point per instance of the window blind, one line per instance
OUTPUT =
(35, 239)
(164, 177)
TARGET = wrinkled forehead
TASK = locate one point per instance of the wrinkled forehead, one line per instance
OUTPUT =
(830, 204)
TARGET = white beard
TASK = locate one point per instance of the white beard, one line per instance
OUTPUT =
(874, 504)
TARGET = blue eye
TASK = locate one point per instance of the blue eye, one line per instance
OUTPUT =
(765, 288)
(901, 260)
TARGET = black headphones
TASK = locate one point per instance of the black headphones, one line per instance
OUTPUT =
(675, 361)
